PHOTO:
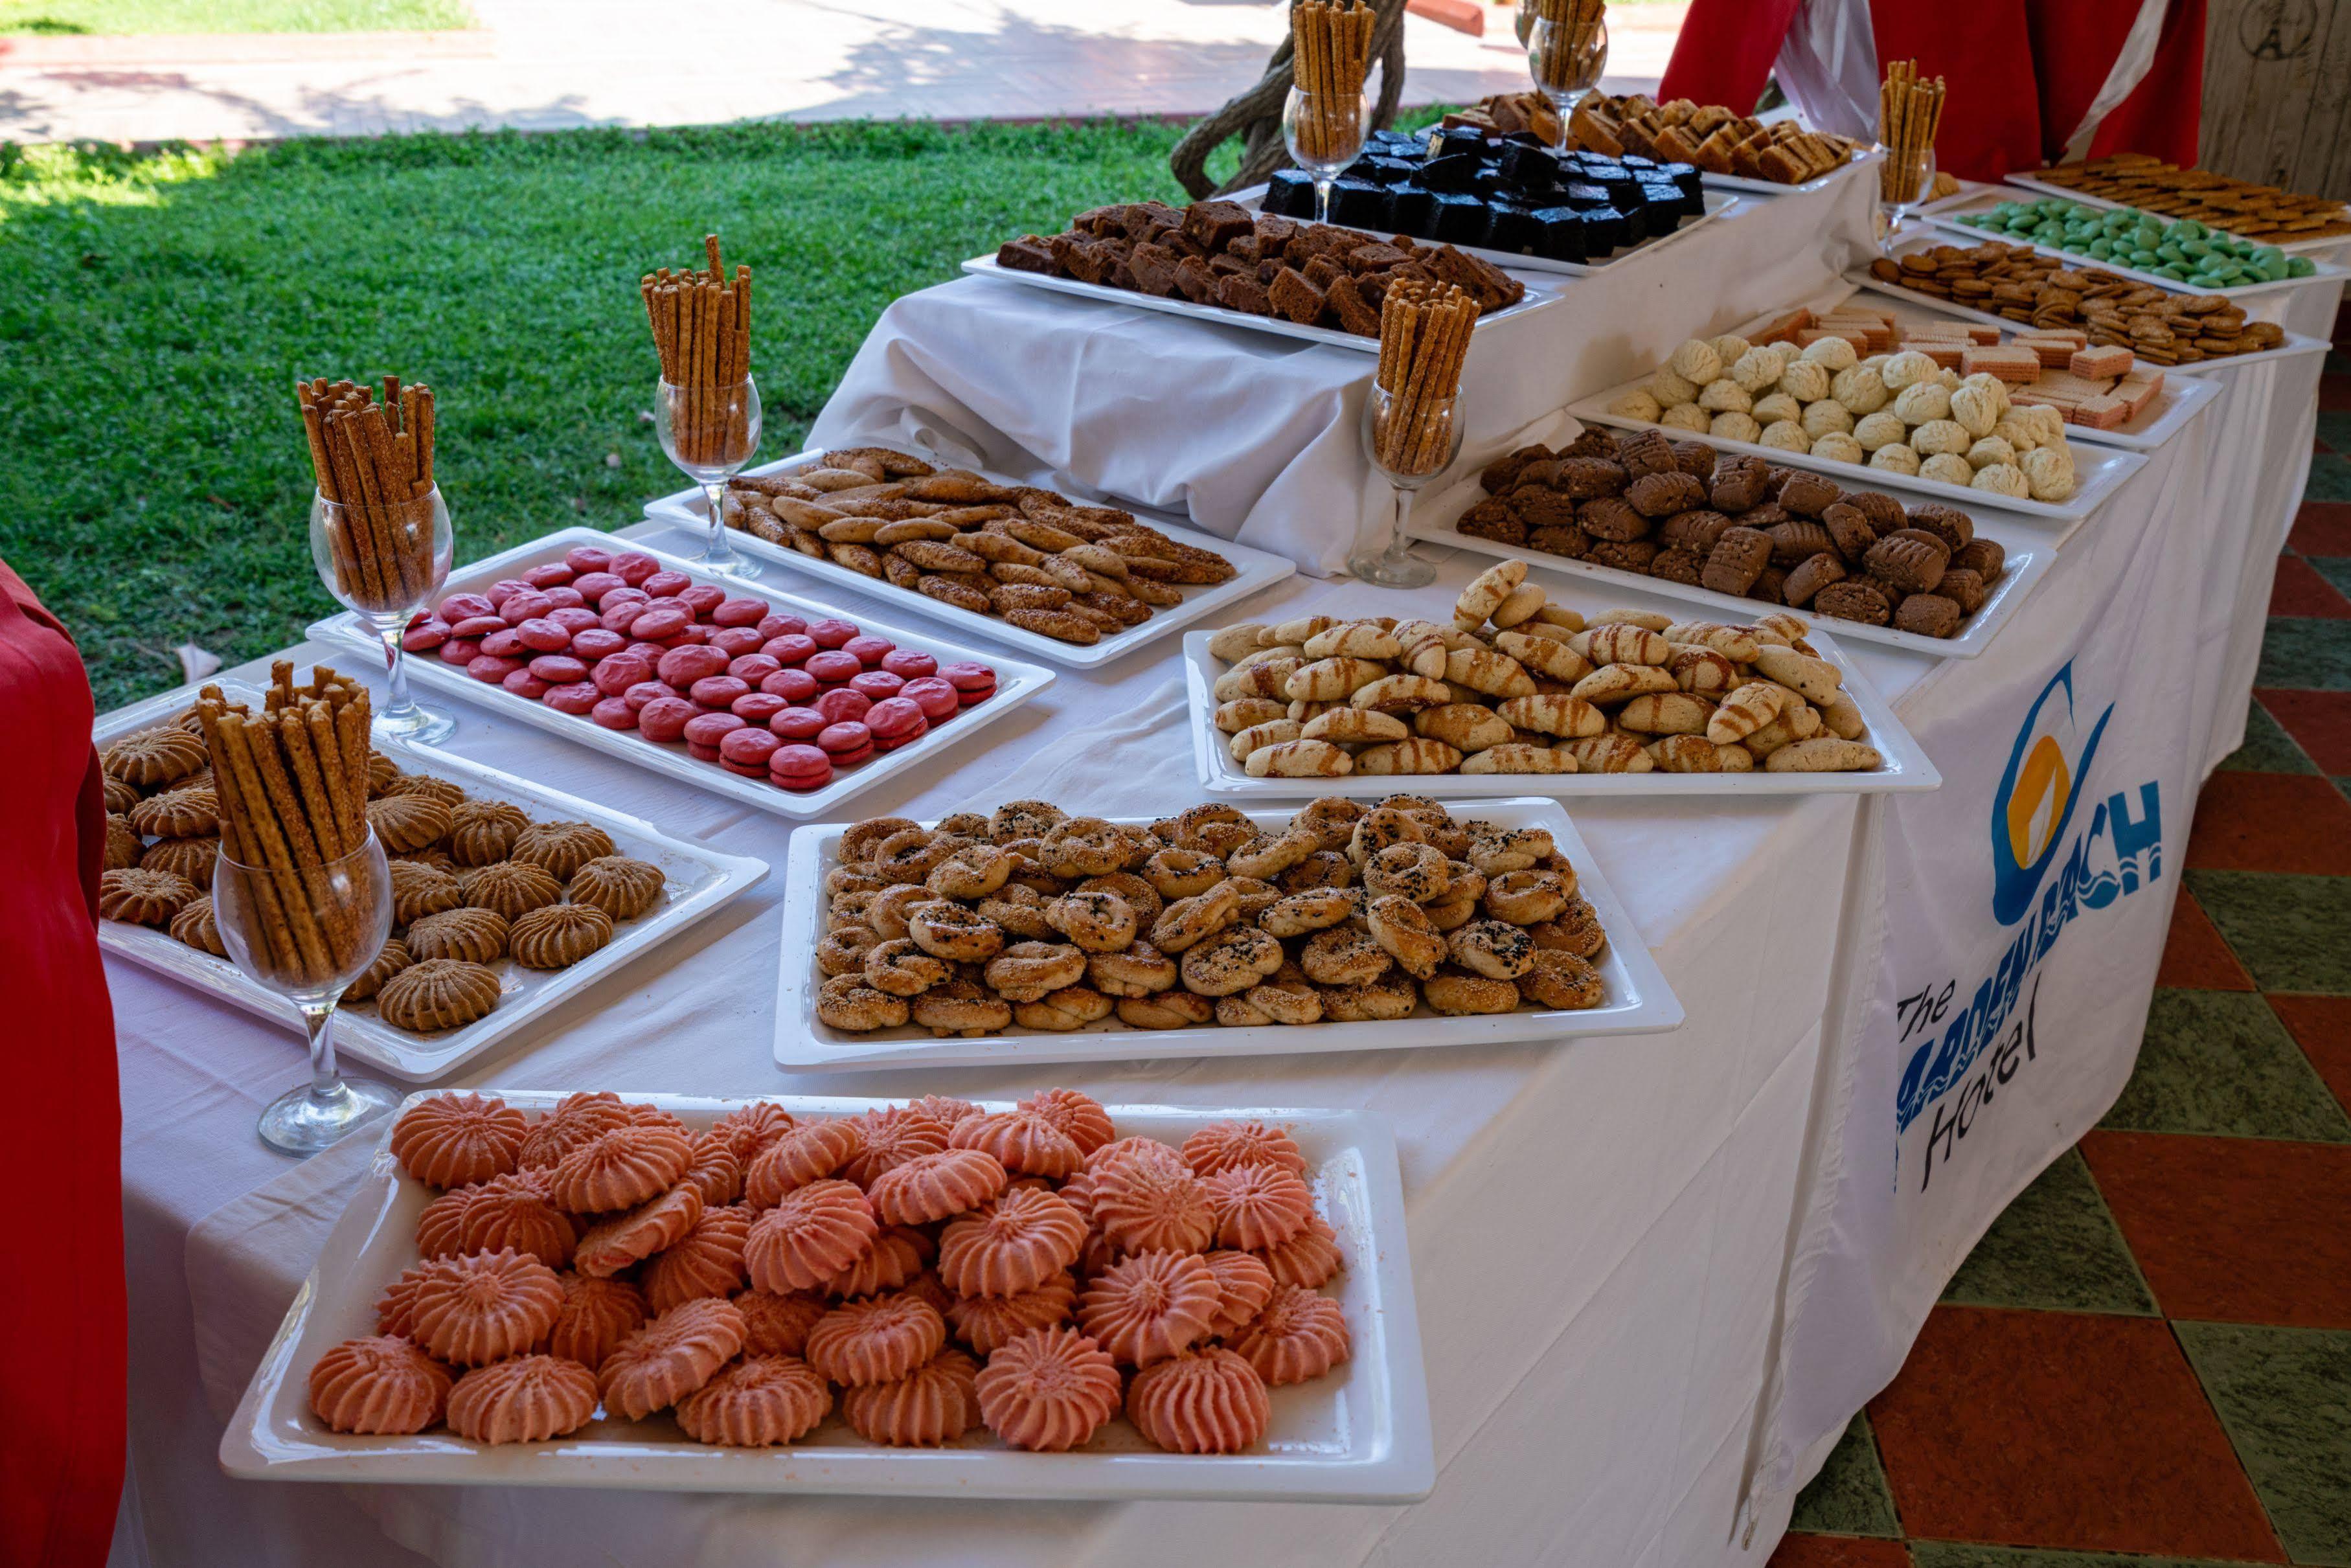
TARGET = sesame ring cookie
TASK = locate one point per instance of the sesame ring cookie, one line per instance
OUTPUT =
(1023, 820)
(1391, 996)
(1232, 960)
(1417, 872)
(1269, 855)
(954, 932)
(859, 841)
(1459, 992)
(1575, 929)
(887, 911)
(1496, 851)
(847, 1002)
(843, 949)
(1526, 897)
(1494, 948)
(1341, 955)
(1210, 827)
(1021, 910)
(1404, 932)
(1139, 894)
(1331, 820)
(849, 878)
(974, 870)
(1166, 1010)
(1027, 971)
(1323, 868)
(1140, 970)
(1286, 998)
(1098, 921)
(1379, 829)
(1080, 847)
(1071, 1008)
(901, 969)
(1189, 921)
(961, 1007)
(913, 854)
(1175, 873)
(1560, 979)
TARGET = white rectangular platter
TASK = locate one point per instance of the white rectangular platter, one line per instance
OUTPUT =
(699, 883)
(2165, 415)
(2295, 342)
(1715, 202)
(1638, 1000)
(1253, 569)
(2029, 558)
(2097, 470)
(1537, 295)
(2043, 188)
(1905, 767)
(1951, 217)
(1360, 1435)
(1016, 683)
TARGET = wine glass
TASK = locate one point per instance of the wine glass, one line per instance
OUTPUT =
(1324, 133)
(384, 562)
(306, 933)
(1904, 183)
(1411, 451)
(1566, 62)
(710, 432)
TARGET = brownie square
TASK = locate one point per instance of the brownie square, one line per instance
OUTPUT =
(1347, 302)
(1028, 254)
(1295, 297)
(1244, 294)
(1217, 224)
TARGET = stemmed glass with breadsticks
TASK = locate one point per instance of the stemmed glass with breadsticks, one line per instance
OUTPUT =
(1909, 113)
(301, 893)
(1326, 116)
(706, 404)
(1411, 414)
(1567, 49)
(380, 532)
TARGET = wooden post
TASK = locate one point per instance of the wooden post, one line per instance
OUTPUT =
(2277, 94)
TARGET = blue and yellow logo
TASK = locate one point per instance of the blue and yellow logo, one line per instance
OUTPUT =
(2047, 767)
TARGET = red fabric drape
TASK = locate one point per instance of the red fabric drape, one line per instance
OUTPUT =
(2021, 72)
(62, 1314)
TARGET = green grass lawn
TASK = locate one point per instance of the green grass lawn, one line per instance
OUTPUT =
(70, 16)
(153, 479)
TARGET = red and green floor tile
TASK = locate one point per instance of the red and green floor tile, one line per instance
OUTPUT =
(2145, 1362)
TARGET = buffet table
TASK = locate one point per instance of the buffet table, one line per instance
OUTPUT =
(1601, 1230)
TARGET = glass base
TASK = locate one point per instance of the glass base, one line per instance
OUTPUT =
(420, 724)
(1397, 568)
(733, 563)
(302, 1122)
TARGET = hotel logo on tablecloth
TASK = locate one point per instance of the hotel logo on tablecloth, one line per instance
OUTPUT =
(2043, 788)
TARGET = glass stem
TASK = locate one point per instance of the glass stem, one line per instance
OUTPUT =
(318, 1023)
(714, 493)
(1322, 183)
(1404, 512)
(396, 664)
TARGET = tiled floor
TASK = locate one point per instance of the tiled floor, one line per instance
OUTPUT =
(2147, 1362)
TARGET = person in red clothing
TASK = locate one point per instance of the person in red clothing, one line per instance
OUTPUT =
(63, 1322)
(2032, 82)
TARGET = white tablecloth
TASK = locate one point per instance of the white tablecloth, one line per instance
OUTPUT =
(1599, 1229)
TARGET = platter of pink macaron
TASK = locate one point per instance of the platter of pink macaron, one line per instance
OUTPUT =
(738, 688)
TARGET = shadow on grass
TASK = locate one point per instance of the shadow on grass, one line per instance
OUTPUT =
(153, 479)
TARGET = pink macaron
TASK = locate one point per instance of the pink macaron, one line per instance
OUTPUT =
(833, 632)
(895, 722)
(588, 558)
(833, 667)
(506, 643)
(908, 663)
(718, 691)
(792, 686)
(465, 606)
(739, 612)
(747, 750)
(877, 684)
(683, 667)
(933, 695)
(666, 718)
(614, 712)
(579, 697)
(737, 641)
(703, 732)
(478, 626)
(423, 635)
(462, 650)
(523, 683)
(632, 567)
(594, 585)
(595, 642)
(559, 669)
(789, 648)
(870, 651)
(799, 767)
(797, 723)
(702, 597)
(781, 626)
(618, 674)
(492, 668)
(846, 744)
(843, 705)
(554, 574)
(757, 707)
(646, 691)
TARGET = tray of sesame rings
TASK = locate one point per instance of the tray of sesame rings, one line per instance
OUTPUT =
(1545, 700)
(1030, 934)
(932, 1297)
(734, 687)
(510, 897)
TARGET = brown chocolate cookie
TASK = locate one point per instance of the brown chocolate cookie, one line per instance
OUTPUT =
(1693, 530)
(1948, 524)
(1738, 559)
(1627, 555)
(1503, 472)
(1737, 484)
(1853, 601)
(1583, 478)
(1542, 508)
(1884, 512)
(1492, 518)
(1593, 443)
(1807, 495)
(1565, 539)
(1610, 517)
(1910, 559)
(1661, 494)
(1849, 530)
(1964, 588)
(1769, 586)
(1678, 565)
(1798, 538)
(1983, 557)
(1807, 577)
(1644, 452)
(1696, 458)
(1928, 614)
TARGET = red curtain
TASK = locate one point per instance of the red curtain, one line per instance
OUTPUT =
(2021, 72)
(62, 1315)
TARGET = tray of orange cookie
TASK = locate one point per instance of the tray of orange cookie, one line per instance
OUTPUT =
(1044, 1299)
